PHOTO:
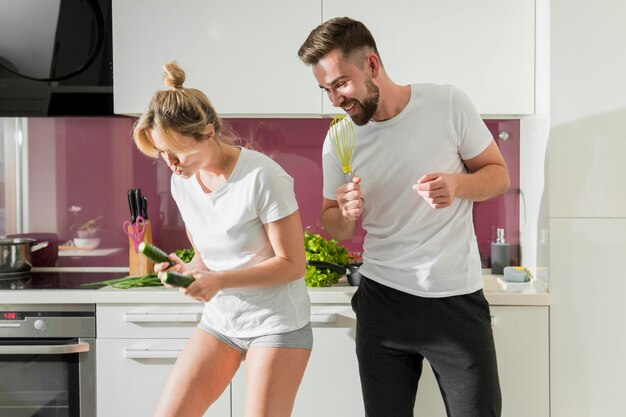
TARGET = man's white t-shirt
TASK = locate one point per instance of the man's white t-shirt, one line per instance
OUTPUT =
(227, 229)
(409, 246)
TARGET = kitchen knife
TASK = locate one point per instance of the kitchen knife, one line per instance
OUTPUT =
(144, 207)
(131, 205)
(138, 201)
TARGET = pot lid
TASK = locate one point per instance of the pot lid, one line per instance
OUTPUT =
(16, 241)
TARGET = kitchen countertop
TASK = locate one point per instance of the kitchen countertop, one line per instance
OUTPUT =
(340, 293)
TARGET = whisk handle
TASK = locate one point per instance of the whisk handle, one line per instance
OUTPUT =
(348, 176)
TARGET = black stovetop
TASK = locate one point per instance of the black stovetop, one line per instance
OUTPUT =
(56, 280)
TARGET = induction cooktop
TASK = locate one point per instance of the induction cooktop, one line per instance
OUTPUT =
(54, 280)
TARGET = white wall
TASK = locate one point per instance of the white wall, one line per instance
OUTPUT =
(533, 148)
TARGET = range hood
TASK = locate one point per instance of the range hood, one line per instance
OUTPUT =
(56, 58)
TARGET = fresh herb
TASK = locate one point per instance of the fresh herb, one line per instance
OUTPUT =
(148, 280)
(320, 249)
(185, 255)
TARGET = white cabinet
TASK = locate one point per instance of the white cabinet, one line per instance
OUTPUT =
(136, 347)
(521, 335)
(331, 385)
(242, 54)
(586, 169)
(486, 48)
(138, 344)
(587, 337)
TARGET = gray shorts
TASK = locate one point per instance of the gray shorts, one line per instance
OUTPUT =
(300, 338)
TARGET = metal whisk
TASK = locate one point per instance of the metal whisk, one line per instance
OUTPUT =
(342, 136)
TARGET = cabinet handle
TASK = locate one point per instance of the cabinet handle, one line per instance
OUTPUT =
(151, 354)
(162, 318)
(323, 318)
(493, 320)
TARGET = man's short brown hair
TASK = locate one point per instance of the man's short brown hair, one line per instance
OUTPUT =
(341, 33)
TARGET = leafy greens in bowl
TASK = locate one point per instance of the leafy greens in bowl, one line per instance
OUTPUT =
(318, 251)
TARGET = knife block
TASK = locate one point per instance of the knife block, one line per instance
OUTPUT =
(138, 264)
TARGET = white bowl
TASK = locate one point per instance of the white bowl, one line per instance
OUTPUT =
(86, 242)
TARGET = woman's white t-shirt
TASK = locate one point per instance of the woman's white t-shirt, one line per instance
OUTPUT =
(409, 246)
(227, 229)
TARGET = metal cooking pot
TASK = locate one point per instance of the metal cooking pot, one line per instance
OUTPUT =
(47, 256)
(15, 254)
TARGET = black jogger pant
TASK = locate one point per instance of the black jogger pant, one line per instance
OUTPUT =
(396, 331)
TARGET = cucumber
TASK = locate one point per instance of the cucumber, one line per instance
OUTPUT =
(176, 279)
(155, 254)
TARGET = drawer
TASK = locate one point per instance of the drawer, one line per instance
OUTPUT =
(135, 321)
(133, 373)
(171, 321)
(332, 315)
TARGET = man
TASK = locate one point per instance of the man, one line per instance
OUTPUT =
(422, 156)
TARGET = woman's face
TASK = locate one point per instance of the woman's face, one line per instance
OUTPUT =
(192, 156)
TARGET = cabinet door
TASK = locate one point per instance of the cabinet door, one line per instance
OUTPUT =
(131, 374)
(587, 314)
(331, 386)
(486, 48)
(521, 337)
(586, 167)
(522, 345)
(242, 54)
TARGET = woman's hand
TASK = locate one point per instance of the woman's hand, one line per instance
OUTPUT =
(205, 286)
(179, 266)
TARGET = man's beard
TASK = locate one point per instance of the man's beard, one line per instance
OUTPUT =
(368, 106)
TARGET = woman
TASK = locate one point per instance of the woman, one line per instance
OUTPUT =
(242, 219)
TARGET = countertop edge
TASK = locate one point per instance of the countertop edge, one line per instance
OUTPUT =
(332, 295)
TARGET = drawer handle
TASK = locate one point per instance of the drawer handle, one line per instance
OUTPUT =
(161, 318)
(323, 318)
(151, 354)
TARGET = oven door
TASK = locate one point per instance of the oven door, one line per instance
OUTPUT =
(47, 377)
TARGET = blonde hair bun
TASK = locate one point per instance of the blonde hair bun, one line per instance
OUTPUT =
(173, 75)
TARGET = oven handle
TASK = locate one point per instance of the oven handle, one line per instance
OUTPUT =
(44, 349)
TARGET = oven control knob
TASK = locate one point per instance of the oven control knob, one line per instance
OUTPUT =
(39, 325)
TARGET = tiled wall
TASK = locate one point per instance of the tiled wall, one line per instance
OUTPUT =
(91, 163)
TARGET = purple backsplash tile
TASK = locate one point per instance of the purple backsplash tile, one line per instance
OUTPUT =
(96, 163)
(503, 211)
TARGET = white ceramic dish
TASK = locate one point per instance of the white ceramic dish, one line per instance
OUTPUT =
(86, 242)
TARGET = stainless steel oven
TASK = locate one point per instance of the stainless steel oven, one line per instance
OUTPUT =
(47, 360)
